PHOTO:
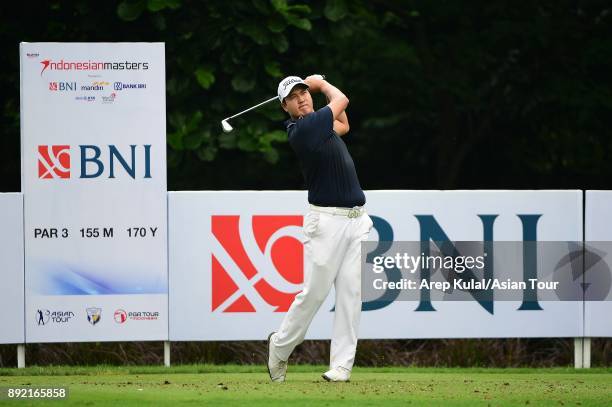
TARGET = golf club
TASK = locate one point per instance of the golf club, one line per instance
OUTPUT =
(227, 127)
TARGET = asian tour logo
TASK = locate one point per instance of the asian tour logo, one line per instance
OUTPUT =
(257, 262)
(54, 161)
(44, 316)
(94, 161)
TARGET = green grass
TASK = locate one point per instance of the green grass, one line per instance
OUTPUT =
(249, 385)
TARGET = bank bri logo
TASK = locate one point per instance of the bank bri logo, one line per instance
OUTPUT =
(95, 161)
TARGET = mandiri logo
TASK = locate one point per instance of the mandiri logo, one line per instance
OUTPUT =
(54, 161)
(258, 262)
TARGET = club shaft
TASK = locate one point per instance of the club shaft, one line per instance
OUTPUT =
(256, 106)
(252, 107)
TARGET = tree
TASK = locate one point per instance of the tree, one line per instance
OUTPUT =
(443, 94)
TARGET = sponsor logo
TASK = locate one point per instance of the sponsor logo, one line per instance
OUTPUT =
(123, 85)
(262, 270)
(95, 86)
(143, 315)
(431, 230)
(86, 98)
(54, 161)
(120, 316)
(90, 65)
(44, 316)
(62, 86)
(94, 161)
(110, 98)
(94, 315)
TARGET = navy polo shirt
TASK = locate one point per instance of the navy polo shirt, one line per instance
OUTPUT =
(327, 166)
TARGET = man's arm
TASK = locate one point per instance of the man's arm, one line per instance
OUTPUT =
(337, 100)
(341, 125)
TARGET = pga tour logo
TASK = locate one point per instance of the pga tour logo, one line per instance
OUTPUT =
(120, 316)
(95, 161)
(257, 262)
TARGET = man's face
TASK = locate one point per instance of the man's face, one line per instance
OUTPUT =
(298, 102)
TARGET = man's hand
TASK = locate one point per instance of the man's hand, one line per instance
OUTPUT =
(314, 82)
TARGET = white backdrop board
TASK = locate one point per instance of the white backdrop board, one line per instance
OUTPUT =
(11, 270)
(598, 236)
(94, 181)
(236, 262)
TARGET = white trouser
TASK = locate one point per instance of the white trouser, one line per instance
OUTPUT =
(332, 252)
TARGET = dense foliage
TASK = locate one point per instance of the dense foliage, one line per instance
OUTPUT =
(453, 94)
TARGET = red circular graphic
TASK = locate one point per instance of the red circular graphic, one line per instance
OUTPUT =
(288, 258)
(120, 316)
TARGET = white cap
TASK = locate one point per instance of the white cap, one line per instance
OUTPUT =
(286, 85)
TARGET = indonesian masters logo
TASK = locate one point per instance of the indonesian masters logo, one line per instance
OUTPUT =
(257, 262)
(92, 65)
(54, 161)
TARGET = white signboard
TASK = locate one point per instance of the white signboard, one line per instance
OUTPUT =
(11, 270)
(598, 237)
(236, 262)
(94, 182)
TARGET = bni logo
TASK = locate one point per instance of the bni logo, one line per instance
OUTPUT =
(94, 161)
(54, 161)
(62, 86)
(257, 262)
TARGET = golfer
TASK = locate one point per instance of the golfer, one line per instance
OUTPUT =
(334, 227)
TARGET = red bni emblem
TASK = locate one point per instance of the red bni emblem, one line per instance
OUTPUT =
(53, 162)
(257, 262)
